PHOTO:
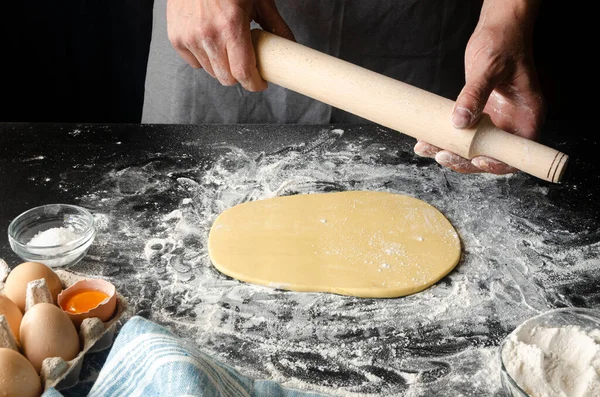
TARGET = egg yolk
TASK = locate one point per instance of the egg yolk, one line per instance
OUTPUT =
(84, 301)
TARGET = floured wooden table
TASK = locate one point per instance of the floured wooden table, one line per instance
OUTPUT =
(528, 246)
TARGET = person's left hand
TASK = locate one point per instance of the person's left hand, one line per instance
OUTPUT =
(215, 35)
(501, 81)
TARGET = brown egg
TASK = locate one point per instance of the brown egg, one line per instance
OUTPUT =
(13, 315)
(15, 286)
(47, 331)
(89, 298)
(18, 378)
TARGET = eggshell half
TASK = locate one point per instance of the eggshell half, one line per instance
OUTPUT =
(47, 331)
(13, 315)
(104, 311)
(18, 377)
(15, 287)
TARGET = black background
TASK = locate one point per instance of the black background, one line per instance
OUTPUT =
(85, 60)
(74, 61)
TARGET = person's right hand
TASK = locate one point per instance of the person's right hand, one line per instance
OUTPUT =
(215, 35)
(501, 80)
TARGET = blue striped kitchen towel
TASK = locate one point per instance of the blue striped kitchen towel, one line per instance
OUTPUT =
(148, 360)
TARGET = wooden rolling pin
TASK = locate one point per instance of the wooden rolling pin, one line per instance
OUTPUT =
(397, 105)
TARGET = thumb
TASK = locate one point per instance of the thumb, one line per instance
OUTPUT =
(473, 97)
(270, 20)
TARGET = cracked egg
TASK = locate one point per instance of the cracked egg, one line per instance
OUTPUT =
(88, 298)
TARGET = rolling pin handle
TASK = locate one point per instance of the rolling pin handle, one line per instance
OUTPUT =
(530, 156)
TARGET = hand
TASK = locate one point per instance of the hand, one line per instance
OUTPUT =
(500, 80)
(215, 35)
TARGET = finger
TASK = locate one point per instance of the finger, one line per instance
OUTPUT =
(270, 20)
(201, 58)
(492, 166)
(194, 56)
(191, 51)
(218, 58)
(242, 63)
(189, 58)
(456, 163)
(517, 111)
(471, 101)
(424, 149)
(175, 33)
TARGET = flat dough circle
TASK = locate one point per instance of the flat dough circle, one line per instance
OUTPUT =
(360, 243)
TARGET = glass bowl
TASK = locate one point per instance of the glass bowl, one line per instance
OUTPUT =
(587, 319)
(54, 234)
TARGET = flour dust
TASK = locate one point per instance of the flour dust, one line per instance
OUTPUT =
(154, 219)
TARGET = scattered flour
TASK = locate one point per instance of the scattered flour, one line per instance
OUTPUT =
(554, 362)
(157, 215)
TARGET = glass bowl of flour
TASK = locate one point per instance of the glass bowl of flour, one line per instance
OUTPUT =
(556, 353)
(56, 235)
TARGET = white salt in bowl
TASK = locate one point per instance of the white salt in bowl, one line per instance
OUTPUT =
(586, 319)
(56, 235)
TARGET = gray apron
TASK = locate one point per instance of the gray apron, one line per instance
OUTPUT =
(420, 42)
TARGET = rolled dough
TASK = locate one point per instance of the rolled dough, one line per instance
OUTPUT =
(360, 243)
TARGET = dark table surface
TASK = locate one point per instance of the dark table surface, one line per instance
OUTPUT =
(154, 190)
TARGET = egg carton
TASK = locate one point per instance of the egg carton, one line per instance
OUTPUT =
(94, 336)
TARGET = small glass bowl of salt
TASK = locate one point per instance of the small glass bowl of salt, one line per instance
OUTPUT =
(57, 235)
(553, 354)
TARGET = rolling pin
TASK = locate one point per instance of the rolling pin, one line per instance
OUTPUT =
(396, 105)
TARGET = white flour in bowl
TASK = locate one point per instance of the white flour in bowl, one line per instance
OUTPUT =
(554, 361)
